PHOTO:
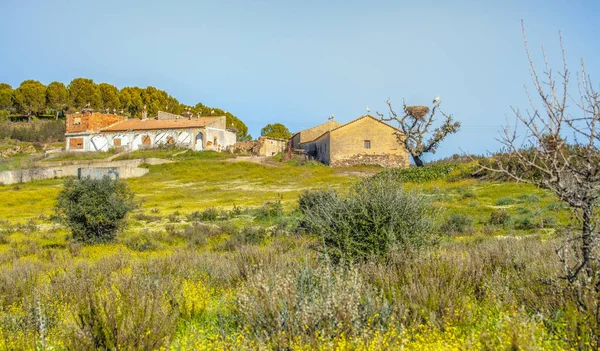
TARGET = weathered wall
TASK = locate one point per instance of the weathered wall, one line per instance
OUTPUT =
(323, 148)
(315, 132)
(166, 115)
(72, 142)
(90, 122)
(348, 145)
(271, 146)
(98, 172)
(296, 141)
(125, 168)
(219, 123)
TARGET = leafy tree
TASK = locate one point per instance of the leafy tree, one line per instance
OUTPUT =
(131, 101)
(6, 97)
(83, 91)
(415, 124)
(276, 130)
(155, 100)
(94, 209)
(57, 97)
(30, 97)
(109, 95)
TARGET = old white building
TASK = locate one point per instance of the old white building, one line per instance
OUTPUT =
(93, 131)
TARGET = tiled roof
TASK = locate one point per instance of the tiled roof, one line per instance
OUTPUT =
(355, 120)
(154, 124)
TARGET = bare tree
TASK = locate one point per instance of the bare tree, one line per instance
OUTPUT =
(554, 144)
(415, 124)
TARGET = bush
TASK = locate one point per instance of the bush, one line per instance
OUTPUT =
(525, 223)
(419, 174)
(457, 223)
(209, 214)
(450, 172)
(42, 131)
(376, 216)
(269, 211)
(529, 198)
(94, 209)
(499, 217)
(503, 201)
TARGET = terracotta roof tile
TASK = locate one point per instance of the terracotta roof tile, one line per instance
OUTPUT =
(153, 124)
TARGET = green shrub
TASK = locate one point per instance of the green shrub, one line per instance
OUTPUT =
(145, 241)
(548, 222)
(94, 209)
(457, 223)
(248, 235)
(419, 174)
(269, 211)
(40, 131)
(529, 198)
(147, 218)
(376, 216)
(525, 223)
(523, 210)
(499, 217)
(450, 172)
(135, 311)
(503, 201)
(469, 195)
(209, 214)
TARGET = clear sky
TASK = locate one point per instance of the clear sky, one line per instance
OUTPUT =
(298, 62)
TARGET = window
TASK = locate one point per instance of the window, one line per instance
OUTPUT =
(117, 142)
(76, 143)
(146, 140)
(367, 144)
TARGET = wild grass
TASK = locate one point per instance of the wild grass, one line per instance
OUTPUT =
(215, 258)
(80, 156)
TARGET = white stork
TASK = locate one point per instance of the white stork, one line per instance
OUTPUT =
(368, 110)
(436, 99)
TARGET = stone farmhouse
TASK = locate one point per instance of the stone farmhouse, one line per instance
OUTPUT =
(91, 131)
(365, 140)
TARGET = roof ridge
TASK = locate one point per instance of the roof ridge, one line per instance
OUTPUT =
(356, 120)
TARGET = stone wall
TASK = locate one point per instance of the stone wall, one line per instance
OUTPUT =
(384, 160)
(348, 145)
(125, 169)
(271, 146)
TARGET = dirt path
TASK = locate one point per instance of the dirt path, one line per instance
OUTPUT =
(262, 160)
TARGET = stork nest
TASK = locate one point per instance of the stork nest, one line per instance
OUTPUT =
(417, 112)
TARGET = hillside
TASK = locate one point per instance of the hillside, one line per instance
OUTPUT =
(215, 258)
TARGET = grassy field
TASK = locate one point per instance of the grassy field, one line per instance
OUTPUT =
(213, 259)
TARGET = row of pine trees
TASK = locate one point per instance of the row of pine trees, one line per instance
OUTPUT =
(33, 98)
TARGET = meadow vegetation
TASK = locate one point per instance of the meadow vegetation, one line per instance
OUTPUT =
(239, 255)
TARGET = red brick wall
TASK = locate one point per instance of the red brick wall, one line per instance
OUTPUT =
(92, 122)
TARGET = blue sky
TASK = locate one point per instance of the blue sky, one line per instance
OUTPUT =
(298, 62)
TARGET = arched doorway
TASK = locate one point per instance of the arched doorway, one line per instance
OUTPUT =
(199, 143)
